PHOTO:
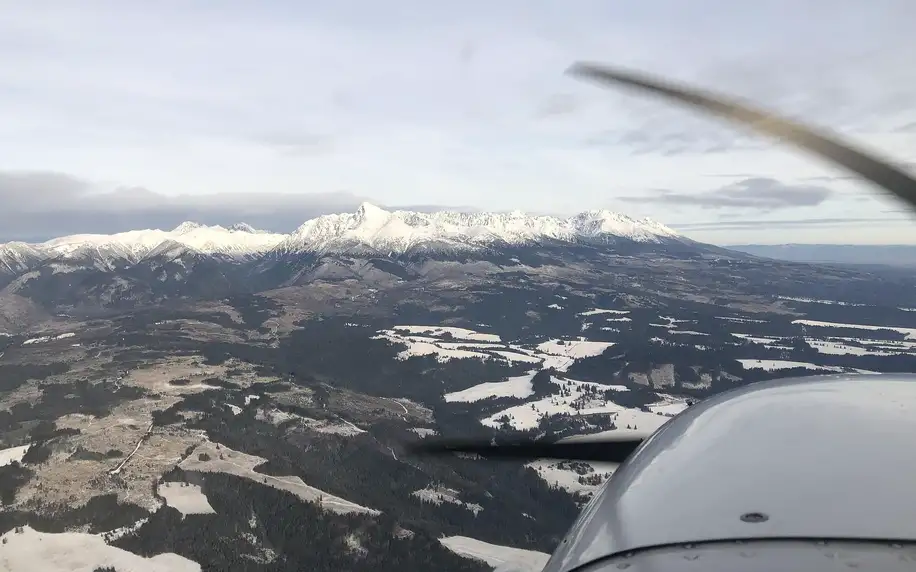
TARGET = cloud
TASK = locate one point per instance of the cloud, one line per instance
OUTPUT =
(467, 53)
(558, 104)
(677, 139)
(37, 191)
(42, 205)
(729, 225)
(297, 144)
(759, 193)
(420, 104)
(732, 175)
(832, 178)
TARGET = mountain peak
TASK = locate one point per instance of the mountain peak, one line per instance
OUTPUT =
(186, 226)
(243, 227)
(369, 211)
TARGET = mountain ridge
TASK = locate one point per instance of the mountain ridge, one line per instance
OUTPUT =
(370, 228)
(371, 246)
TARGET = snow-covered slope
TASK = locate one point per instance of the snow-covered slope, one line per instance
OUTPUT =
(134, 245)
(385, 232)
(17, 257)
(109, 250)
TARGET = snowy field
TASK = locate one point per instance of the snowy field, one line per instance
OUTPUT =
(778, 364)
(221, 459)
(16, 454)
(502, 558)
(185, 498)
(462, 343)
(599, 311)
(513, 387)
(579, 401)
(43, 339)
(580, 398)
(439, 331)
(451, 343)
(910, 333)
(559, 475)
(33, 551)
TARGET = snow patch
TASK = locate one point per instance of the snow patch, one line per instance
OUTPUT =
(816, 301)
(597, 311)
(778, 364)
(185, 497)
(910, 333)
(741, 320)
(757, 339)
(339, 427)
(43, 339)
(560, 354)
(836, 348)
(668, 407)
(688, 332)
(514, 357)
(16, 454)
(439, 495)
(424, 431)
(31, 550)
(422, 341)
(513, 387)
(576, 477)
(584, 398)
(221, 459)
(459, 333)
(500, 557)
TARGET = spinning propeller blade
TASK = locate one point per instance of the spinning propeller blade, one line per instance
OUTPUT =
(608, 450)
(881, 172)
(827, 146)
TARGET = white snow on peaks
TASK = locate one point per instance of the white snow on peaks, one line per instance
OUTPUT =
(370, 228)
(15, 257)
(245, 227)
(385, 231)
(238, 241)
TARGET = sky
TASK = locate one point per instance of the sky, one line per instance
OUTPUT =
(132, 114)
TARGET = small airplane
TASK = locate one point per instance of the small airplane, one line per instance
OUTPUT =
(809, 474)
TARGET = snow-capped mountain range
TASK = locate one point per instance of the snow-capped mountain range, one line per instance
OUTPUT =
(369, 229)
(397, 232)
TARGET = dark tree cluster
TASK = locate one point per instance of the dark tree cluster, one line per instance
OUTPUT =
(259, 528)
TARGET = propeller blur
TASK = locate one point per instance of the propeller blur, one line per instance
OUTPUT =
(809, 473)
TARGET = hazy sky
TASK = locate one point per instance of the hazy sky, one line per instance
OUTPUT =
(127, 113)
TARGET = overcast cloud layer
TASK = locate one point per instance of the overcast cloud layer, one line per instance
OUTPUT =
(126, 114)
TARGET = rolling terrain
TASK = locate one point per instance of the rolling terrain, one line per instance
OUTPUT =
(215, 398)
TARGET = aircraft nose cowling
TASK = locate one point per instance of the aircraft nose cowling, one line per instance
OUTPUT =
(816, 457)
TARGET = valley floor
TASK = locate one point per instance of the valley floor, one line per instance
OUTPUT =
(202, 439)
